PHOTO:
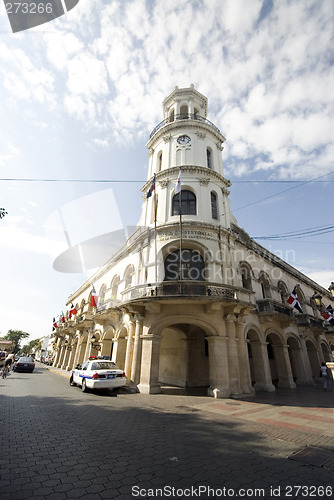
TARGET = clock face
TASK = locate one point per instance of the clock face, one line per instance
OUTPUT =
(183, 139)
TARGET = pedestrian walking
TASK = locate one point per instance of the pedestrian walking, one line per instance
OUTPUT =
(9, 361)
(324, 374)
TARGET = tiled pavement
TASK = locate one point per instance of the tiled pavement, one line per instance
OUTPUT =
(100, 447)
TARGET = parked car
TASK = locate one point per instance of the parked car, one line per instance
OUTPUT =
(24, 364)
(98, 373)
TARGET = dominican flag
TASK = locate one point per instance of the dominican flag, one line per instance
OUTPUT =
(152, 188)
(178, 184)
(62, 317)
(328, 315)
(55, 324)
(94, 298)
(73, 311)
(294, 301)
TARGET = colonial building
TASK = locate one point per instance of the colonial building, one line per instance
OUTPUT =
(191, 300)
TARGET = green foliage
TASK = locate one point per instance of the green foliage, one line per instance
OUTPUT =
(33, 344)
(16, 336)
(3, 213)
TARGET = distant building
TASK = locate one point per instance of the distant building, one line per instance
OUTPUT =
(194, 301)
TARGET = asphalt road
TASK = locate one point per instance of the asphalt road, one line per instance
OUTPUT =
(59, 443)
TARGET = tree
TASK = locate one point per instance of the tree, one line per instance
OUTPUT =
(16, 336)
(3, 213)
(27, 349)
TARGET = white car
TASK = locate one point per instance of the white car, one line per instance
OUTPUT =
(98, 373)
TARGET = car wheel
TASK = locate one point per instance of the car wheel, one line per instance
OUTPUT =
(71, 381)
(84, 386)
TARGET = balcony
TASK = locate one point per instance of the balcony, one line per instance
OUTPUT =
(268, 308)
(309, 321)
(186, 289)
(190, 116)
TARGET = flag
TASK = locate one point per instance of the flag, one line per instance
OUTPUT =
(94, 298)
(55, 325)
(73, 311)
(152, 188)
(62, 317)
(328, 314)
(294, 301)
(178, 184)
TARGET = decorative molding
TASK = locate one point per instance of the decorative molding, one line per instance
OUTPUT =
(164, 183)
(201, 135)
(167, 137)
(219, 146)
(151, 151)
(204, 181)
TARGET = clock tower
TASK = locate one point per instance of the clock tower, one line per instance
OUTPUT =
(187, 142)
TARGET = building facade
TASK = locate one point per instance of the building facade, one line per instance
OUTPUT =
(191, 300)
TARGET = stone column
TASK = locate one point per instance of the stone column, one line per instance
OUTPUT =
(135, 369)
(218, 367)
(261, 365)
(283, 366)
(299, 366)
(66, 356)
(61, 356)
(233, 361)
(129, 351)
(77, 350)
(306, 361)
(244, 368)
(71, 358)
(56, 360)
(149, 374)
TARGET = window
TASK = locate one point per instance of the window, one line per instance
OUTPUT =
(214, 209)
(188, 203)
(159, 165)
(129, 272)
(191, 266)
(114, 286)
(208, 158)
(171, 116)
(246, 276)
(184, 112)
(265, 286)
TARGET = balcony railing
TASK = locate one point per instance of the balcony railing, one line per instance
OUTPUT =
(271, 306)
(183, 116)
(180, 289)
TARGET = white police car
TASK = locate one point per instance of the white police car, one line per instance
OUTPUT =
(98, 373)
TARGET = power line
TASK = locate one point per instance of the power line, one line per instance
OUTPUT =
(312, 231)
(235, 181)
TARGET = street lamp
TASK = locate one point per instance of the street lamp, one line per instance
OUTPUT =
(331, 289)
(317, 299)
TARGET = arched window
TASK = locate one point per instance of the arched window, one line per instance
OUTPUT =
(129, 272)
(159, 162)
(283, 290)
(196, 113)
(184, 112)
(188, 203)
(171, 115)
(214, 207)
(187, 264)
(208, 158)
(102, 293)
(114, 286)
(265, 286)
(246, 276)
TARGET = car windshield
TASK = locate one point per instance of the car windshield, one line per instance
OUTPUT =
(104, 365)
(25, 360)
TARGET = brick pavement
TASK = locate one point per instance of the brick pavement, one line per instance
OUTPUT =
(63, 444)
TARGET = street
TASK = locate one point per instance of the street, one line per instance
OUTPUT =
(59, 443)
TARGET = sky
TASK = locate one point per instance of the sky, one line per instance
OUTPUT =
(81, 94)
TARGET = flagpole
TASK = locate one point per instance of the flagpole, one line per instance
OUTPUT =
(180, 214)
(155, 236)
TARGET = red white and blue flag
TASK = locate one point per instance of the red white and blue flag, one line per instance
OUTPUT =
(62, 317)
(293, 300)
(328, 314)
(152, 188)
(55, 324)
(73, 311)
(94, 298)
